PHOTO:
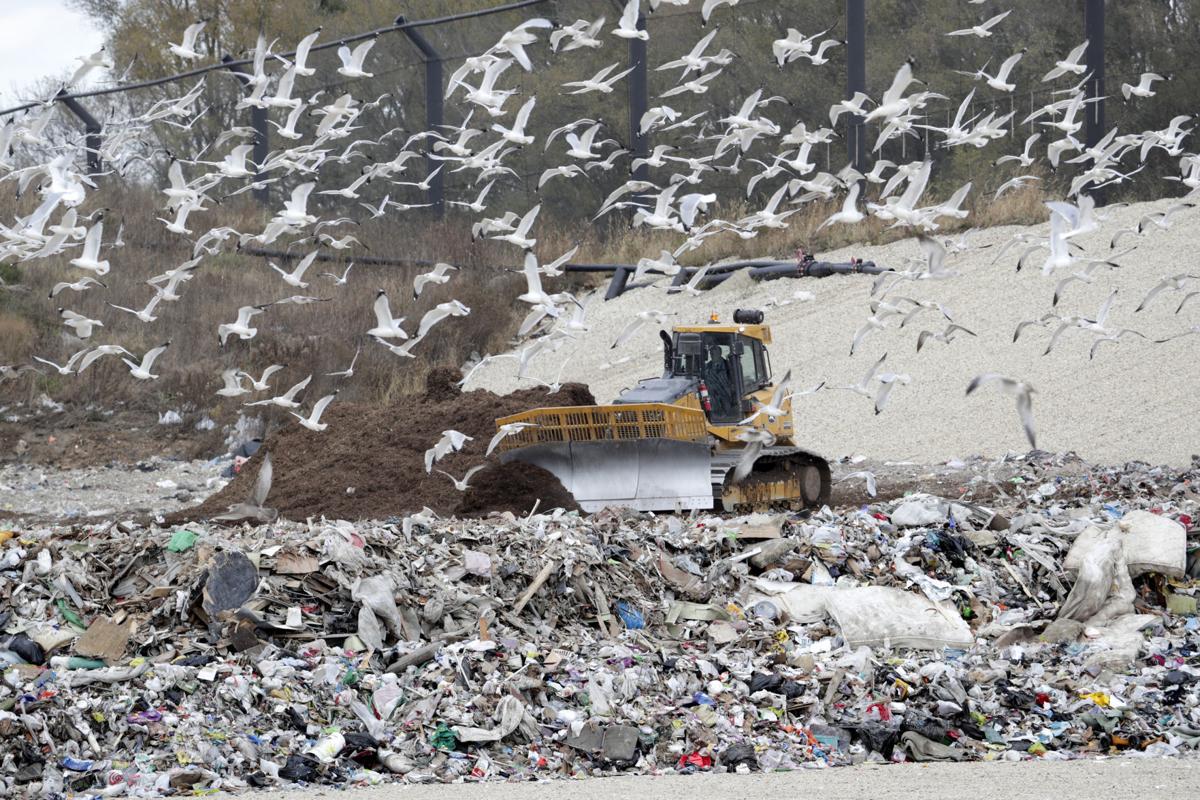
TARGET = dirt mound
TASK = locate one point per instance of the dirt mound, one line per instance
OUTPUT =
(369, 463)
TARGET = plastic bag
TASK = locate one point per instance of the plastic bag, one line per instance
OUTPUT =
(874, 615)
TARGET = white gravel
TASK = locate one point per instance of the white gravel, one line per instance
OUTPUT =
(1136, 401)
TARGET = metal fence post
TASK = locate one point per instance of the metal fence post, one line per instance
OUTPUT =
(92, 128)
(639, 100)
(262, 142)
(434, 113)
(856, 78)
(1093, 23)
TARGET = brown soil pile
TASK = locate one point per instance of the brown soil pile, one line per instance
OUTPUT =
(369, 463)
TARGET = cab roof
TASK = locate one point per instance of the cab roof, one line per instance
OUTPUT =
(760, 332)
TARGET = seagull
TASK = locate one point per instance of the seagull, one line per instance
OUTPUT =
(145, 314)
(342, 280)
(627, 25)
(1019, 182)
(352, 60)
(187, 48)
(463, 485)
(302, 49)
(581, 34)
(863, 386)
(639, 319)
(477, 205)
(504, 431)
(849, 215)
(1021, 390)
(1142, 88)
(82, 325)
(97, 60)
(945, 337)
(1112, 337)
(287, 399)
(386, 326)
(142, 371)
(756, 439)
(692, 287)
(600, 82)
(98, 352)
(89, 259)
(241, 327)
(451, 441)
(313, 420)
(1070, 64)
(774, 407)
(233, 384)
(982, 30)
(438, 313)
(888, 380)
(1026, 158)
(710, 6)
(479, 364)
(439, 275)
(869, 477)
(999, 81)
(519, 236)
(348, 372)
(78, 286)
(1174, 283)
(261, 385)
(65, 369)
(295, 211)
(516, 134)
(404, 350)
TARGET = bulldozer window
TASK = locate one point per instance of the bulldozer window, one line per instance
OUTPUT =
(720, 377)
(753, 364)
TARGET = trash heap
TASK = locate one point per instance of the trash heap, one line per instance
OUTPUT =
(1057, 622)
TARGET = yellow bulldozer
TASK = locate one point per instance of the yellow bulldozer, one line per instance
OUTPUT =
(690, 439)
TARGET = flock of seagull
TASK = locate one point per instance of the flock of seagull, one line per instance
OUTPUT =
(320, 133)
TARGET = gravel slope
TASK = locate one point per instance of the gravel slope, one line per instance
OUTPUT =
(1135, 400)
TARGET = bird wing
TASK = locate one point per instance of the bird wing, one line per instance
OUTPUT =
(262, 485)
(780, 389)
(628, 332)
(871, 372)
(295, 390)
(471, 472)
(1025, 411)
(151, 355)
(383, 312)
(320, 407)
(533, 276)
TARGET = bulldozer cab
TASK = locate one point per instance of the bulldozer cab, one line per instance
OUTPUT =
(731, 366)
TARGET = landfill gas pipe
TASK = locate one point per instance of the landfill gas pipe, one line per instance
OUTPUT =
(807, 269)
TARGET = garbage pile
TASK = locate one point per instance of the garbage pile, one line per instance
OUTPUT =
(369, 463)
(1056, 623)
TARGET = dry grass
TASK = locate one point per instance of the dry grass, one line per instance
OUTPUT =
(323, 337)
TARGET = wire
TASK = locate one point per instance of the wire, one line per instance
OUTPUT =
(230, 63)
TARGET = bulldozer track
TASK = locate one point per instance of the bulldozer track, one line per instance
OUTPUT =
(773, 471)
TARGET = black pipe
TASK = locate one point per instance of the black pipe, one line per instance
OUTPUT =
(92, 129)
(1093, 23)
(262, 132)
(639, 101)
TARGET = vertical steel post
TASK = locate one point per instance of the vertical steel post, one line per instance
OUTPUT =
(1093, 23)
(856, 78)
(92, 128)
(639, 100)
(434, 113)
(262, 142)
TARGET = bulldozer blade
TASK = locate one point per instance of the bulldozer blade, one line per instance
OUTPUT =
(643, 474)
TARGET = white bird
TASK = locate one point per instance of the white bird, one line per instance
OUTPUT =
(1019, 389)
(463, 485)
(477, 205)
(775, 406)
(756, 439)
(1174, 283)
(504, 431)
(64, 369)
(863, 386)
(581, 34)
(287, 399)
(516, 134)
(888, 381)
(451, 441)
(520, 235)
(438, 313)
(1142, 88)
(869, 477)
(78, 286)
(295, 211)
(89, 259)
(342, 280)
(1070, 64)
(296, 276)
(301, 56)
(706, 10)
(261, 385)
(1026, 158)
(403, 350)
(999, 81)
(639, 319)
(627, 25)
(352, 60)
(145, 314)
(386, 326)
(983, 29)
(241, 327)
(313, 420)
(96, 353)
(439, 275)
(1019, 182)
(600, 82)
(141, 371)
(945, 337)
(692, 287)
(233, 384)
(80, 324)
(348, 372)
(97, 60)
(187, 48)
(849, 215)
